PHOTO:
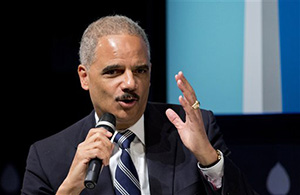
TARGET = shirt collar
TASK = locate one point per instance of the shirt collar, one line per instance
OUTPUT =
(137, 128)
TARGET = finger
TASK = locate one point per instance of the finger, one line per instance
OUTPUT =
(96, 141)
(99, 132)
(99, 150)
(106, 161)
(191, 115)
(95, 153)
(101, 145)
(97, 136)
(186, 84)
(189, 95)
(174, 118)
(185, 87)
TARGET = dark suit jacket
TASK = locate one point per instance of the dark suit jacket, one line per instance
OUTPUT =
(172, 167)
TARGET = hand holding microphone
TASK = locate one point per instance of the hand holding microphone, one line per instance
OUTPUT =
(81, 165)
(107, 121)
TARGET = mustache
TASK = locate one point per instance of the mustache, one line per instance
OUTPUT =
(128, 96)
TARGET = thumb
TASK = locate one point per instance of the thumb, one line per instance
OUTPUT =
(174, 118)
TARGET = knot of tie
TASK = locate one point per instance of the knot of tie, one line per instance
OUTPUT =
(124, 139)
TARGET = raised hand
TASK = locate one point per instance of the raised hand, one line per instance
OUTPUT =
(192, 131)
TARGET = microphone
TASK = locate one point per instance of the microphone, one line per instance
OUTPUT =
(107, 121)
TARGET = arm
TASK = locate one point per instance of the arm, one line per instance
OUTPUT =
(96, 145)
(35, 180)
(192, 132)
(47, 172)
(233, 180)
(203, 141)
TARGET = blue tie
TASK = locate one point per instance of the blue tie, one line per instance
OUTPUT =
(126, 177)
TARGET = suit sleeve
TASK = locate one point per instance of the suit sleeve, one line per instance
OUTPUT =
(233, 181)
(214, 134)
(35, 180)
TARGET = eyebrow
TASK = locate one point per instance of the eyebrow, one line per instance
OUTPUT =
(111, 67)
(142, 66)
(117, 66)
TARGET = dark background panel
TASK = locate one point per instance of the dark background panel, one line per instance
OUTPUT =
(41, 89)
(266, 148)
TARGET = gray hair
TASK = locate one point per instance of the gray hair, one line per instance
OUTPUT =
(108, 25)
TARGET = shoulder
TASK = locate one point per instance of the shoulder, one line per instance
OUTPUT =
(53, 155)
(49, 159)
(71, 135)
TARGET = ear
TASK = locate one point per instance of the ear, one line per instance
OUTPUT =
(150, 67)
(83, 76)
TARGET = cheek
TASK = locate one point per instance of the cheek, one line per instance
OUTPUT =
(144, 89)
(101, 92)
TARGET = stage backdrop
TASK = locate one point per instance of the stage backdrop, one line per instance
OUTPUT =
(241, 56)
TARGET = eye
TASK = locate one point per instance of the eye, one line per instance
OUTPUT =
(142, 70)
(112, 70)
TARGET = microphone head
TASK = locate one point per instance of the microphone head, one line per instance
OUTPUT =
(109, 118)
(107, 121)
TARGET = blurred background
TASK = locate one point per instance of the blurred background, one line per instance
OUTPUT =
(241, 56)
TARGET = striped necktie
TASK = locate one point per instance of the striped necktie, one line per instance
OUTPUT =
(126, 177)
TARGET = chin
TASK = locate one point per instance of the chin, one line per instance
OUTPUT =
(126, 119)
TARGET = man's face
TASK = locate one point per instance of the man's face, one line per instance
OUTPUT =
(119, 80)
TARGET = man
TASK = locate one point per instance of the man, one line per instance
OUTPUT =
(177, 149)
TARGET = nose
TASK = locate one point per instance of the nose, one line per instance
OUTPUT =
(129, 82)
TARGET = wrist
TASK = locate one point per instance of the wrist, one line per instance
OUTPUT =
(67, 188)
(219, 156)
(209, 158)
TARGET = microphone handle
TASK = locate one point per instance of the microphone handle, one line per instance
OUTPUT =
(93, 171)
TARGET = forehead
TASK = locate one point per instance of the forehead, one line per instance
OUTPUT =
(124, 42)
(121, 49)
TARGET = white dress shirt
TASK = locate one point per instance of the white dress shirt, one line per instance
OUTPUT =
(213, 174)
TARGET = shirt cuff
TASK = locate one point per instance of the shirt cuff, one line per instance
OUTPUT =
(215, 173)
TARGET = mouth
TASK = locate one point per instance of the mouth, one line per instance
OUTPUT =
(128, 99)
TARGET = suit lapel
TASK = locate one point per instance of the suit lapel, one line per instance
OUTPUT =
(160, 151)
